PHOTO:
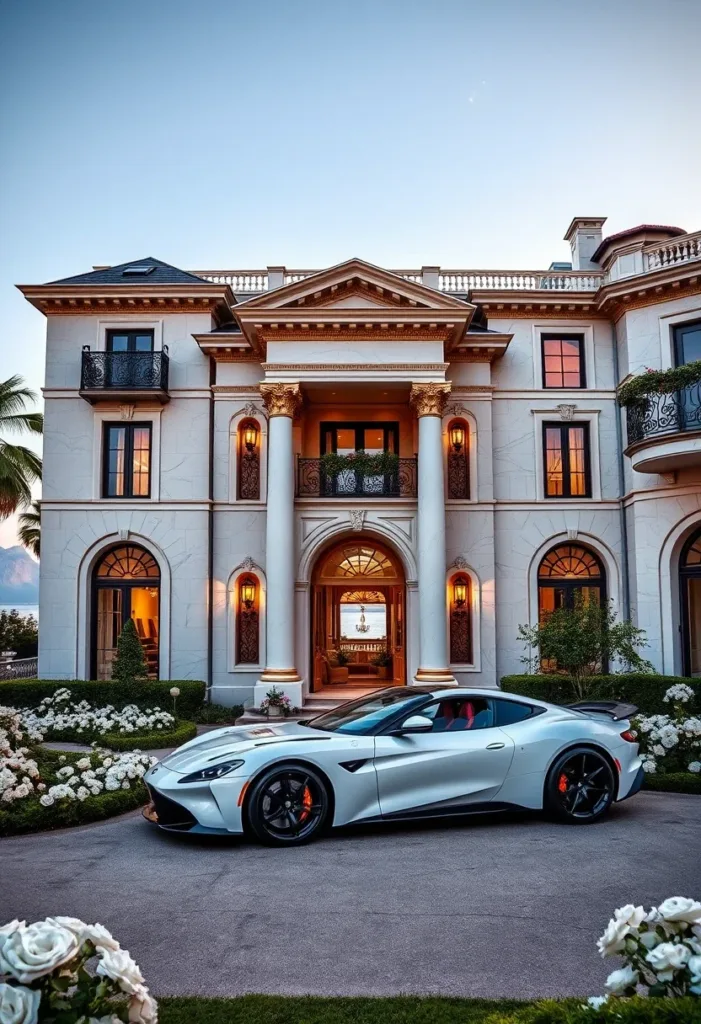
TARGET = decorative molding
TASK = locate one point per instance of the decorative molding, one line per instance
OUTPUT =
(236, 389)
(459, 563)
(251, 409)
(669, 478)
(360, 367)
(572, 534)
(429, 399)
(123, 535)
(456, 409)
(127, 411)
(247, 565)
(357, 518)
(566, 411)
(281, 399)
(465, 390)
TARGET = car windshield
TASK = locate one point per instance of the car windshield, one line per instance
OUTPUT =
(366, 715)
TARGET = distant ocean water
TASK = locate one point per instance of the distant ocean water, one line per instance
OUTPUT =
(23, 609)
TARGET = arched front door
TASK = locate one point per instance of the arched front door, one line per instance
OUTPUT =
(358, 616)
(126, 583)
(690, 591)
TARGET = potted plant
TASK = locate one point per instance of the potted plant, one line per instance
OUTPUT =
(276, 704)
(382, 661)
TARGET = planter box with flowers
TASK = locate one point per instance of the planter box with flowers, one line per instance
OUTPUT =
(276, 704)
(47, 973)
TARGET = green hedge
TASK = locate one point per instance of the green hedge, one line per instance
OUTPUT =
(674, 782)
(645, 690)
(29, 816)
(258, 1009)
(156, 740)
(26, 693)
(219, 714)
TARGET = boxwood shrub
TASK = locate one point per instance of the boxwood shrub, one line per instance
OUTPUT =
(644, 690)
(674, 782)
(158, 740)
(27, 693)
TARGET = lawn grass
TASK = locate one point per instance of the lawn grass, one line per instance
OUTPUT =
(259, 1009)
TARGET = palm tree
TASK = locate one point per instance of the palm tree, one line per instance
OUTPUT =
(19, 466)
(29, 528)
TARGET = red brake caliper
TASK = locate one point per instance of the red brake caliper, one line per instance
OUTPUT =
(306, 803)
(562, 783)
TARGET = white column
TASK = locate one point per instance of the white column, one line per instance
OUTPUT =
(429, 401)
(281, 401)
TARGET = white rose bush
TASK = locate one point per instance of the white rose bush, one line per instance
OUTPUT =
(671, 742)
(660, 947)
(60, 717)
(63, 971)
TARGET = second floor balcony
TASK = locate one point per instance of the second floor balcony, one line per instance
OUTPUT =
(315, 479)
(125, 376)
(664, 430)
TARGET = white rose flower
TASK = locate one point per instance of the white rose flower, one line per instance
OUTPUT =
(73, 924)
(650, 939)
(619, 981)
(46, 800)
(630, 915)
(10, 927)
(18, 1005)
(667, 958)
(100, 937)
(613, 939)
(679, 908)
(118, 965)
(695, 766)
(143, 1008)
(596, 1002)
(30, 953)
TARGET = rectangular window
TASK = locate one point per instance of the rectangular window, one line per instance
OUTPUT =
(127, 460)
(130, 341)
(566, 458)
(563, 360)
(346, 438)
(687, 343)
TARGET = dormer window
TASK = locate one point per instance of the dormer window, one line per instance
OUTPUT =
(138, 270)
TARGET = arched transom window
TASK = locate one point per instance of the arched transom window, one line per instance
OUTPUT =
(126, 584)
(360, 560)
(568, 574)
(128, 563)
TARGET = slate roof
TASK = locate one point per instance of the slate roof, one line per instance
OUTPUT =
(163, 273)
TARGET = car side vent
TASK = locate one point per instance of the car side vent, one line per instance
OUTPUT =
(352, 766)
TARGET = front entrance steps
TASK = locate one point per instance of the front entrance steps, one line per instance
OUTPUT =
(327, 699)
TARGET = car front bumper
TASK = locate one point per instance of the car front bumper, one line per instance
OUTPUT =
(212, 808)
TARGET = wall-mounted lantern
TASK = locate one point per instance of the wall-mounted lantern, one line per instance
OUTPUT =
(457, 437)
(250, 436)
(248, 592)
(459, 591)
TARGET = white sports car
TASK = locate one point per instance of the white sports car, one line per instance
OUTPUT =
(404, 752)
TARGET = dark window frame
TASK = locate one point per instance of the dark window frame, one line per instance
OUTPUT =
(124, 587)
(678, 331)
(564, 429)
(390, 427)
(582, 362)
(131, 336)
(129, 429)
(687, 573)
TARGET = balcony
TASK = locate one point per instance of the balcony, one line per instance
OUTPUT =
(314, 482)
(124, 376)
(664, 431)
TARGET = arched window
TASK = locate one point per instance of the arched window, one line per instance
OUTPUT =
(460, 597)
(458, 459)
(567, 574)
(248, 460)
(126, 584)
(247, 619)
(690, 592)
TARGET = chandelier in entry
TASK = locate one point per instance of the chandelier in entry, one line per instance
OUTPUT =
(362, 626)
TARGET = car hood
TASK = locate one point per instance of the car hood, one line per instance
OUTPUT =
(219, 744)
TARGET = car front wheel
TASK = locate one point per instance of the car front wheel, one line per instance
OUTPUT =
(288, 805)
(580, 786)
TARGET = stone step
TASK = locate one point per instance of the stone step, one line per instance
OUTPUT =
(310, 709)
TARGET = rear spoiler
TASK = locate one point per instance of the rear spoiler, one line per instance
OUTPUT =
(606, 707)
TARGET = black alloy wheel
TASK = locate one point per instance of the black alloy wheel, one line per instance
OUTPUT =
(580, 786)
(288, 805)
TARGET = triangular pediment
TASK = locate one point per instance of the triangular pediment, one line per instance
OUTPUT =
(354, 284)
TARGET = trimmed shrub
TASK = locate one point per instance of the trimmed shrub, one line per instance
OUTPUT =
(27, 693)
(219, 714)
(130, 662)
(30, 816)
(183, 732)
(674, 782)
(644, 690)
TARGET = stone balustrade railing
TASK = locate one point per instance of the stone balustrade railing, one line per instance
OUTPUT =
(682, 249)
(24, 668)
(257, 281)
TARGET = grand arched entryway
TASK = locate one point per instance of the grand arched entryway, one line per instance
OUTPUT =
(358, 615)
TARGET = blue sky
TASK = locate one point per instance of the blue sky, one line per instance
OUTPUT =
(232, 134)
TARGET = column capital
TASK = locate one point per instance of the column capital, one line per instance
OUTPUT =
(429, 399)
(281, 399)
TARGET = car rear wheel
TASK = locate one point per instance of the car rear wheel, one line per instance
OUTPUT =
(288, 805)
(580, 786)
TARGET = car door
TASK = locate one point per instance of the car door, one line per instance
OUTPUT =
(463, 760)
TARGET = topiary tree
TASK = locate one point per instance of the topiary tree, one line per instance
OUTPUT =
(579, 641)
(130, 663)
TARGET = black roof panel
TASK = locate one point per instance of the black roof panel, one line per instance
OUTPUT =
(162, 273)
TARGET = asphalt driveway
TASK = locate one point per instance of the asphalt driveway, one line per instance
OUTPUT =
(495, 906)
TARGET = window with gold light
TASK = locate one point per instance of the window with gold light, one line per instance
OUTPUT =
(126, 584)
(568, 574)
(248, 461)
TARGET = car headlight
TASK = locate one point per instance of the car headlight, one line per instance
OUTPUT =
(209, 774)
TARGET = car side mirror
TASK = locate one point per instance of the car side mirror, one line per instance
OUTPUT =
(414, 723)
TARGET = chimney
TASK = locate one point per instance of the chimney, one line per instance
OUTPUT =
(584, 235)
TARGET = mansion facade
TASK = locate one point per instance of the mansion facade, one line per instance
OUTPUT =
(254, 464)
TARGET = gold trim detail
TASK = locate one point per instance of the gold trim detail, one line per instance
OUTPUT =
(281, 399)
(429, 399)
(435, 675)
(280, 675)
(414, 367)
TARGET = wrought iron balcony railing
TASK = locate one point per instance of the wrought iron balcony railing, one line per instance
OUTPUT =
(314, 482)
(125, 372)
(660, 415)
